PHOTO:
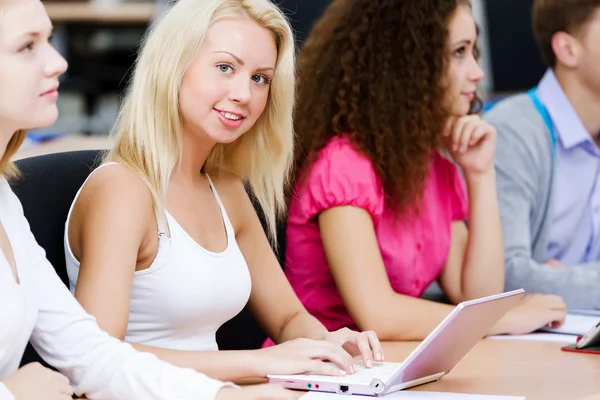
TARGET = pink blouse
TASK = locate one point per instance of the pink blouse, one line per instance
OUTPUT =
(414, 249)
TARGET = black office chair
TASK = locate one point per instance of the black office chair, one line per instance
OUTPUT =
(302, 15)
(46, 189)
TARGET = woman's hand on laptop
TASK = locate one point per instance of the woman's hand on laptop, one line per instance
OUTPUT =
(533, 312)
(364, 344)
(258, 392)
(298, 356)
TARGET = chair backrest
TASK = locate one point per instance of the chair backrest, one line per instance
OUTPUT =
(302, 15)
(46, 189)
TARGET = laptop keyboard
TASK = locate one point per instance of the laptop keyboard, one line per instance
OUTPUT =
(381, 371)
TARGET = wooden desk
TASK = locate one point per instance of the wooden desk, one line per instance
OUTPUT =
(84, 11)
(536, 370)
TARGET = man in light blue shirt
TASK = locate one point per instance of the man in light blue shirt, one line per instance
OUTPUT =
(574, 235)
(548, 160)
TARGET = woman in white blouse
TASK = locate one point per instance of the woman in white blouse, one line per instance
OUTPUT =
(34, 303)
(163, 244)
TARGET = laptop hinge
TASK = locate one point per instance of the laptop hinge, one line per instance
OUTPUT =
(416, 382)
(378, 386)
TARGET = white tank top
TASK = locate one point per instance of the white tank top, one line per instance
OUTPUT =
(187, 292)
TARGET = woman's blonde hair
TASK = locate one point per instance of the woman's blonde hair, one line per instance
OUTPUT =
(7, 167)
(148, 131)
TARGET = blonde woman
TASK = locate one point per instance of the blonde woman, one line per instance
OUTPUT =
(163, 245)
(34, 304)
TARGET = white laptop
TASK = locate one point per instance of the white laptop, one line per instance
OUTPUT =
(435, 356)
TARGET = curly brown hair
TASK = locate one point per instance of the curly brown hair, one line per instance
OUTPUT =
(369, 68)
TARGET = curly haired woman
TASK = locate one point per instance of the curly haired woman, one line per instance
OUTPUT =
(385, 116)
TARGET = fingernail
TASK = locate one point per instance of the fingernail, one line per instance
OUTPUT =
(343, 373)
(369, 363)
(352, 369)
(378, 357)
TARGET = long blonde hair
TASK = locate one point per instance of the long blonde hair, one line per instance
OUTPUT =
(7, 167)
(148, 132)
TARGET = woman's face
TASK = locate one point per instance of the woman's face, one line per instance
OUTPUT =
(464, 73)
(29, 67)
(226, 87)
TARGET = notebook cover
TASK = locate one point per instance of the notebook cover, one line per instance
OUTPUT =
(587, 350)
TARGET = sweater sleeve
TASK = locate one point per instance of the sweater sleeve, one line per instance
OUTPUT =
(519, 160)
(5, 394)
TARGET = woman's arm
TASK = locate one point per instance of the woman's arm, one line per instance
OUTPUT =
(273, 301)
(475, 266)
(355, 261)
(108, 228)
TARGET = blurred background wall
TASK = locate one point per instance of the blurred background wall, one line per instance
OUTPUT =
(99, 38)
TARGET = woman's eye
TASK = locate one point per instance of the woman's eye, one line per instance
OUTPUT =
(459, 52)
(28, 47)
(261, 79)
(226, 68)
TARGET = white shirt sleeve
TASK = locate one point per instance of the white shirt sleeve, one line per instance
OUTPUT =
(5, 394)
(98, 365)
